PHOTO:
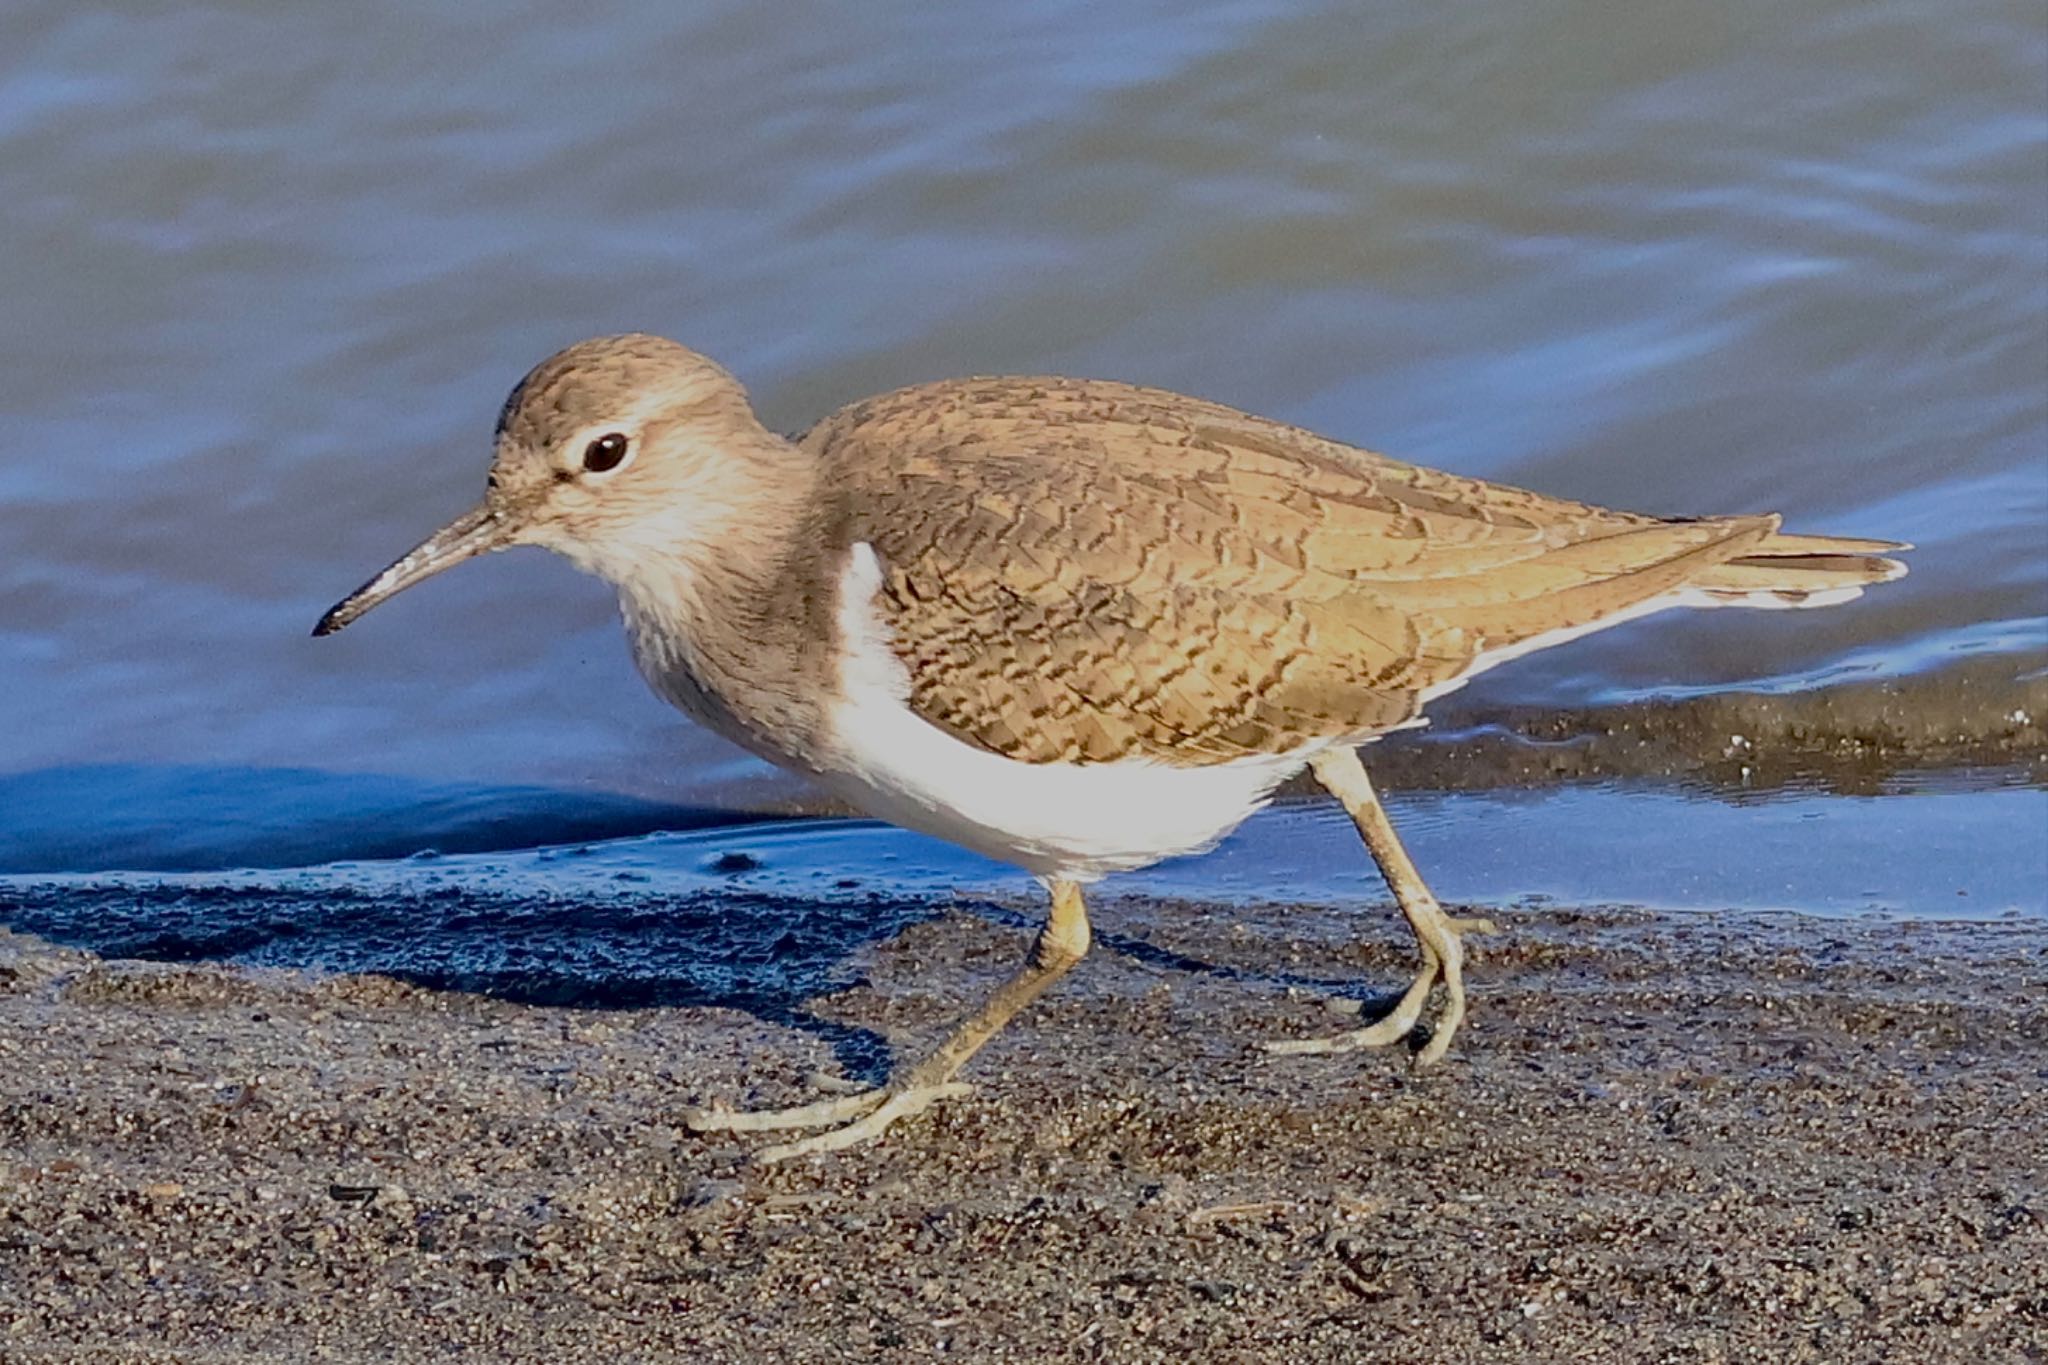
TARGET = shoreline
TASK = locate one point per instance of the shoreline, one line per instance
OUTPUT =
(1979, 724)
(1707, 1136)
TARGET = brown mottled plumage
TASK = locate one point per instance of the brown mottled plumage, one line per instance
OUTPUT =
(1082, 571)
(1076, 625)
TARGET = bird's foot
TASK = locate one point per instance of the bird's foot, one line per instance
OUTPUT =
(1390, 1027)
(1345, 1005)
(864, 1116)
(1443, 958)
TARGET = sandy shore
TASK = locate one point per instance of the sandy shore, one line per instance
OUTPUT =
(1700, 1138)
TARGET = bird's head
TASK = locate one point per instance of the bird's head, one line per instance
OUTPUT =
(611, 451)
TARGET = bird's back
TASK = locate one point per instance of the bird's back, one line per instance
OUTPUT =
(1084, 570)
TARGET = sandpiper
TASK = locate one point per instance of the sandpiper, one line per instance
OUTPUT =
(1077, 626)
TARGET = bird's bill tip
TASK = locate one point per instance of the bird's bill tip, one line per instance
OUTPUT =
(475, 532)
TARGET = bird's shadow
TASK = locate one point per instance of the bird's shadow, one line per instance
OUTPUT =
(766, 954)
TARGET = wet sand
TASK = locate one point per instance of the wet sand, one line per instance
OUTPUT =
(1687, 1138)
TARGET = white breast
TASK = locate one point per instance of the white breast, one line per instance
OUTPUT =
(1076, 821)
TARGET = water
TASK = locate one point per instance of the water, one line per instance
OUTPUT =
(1930, 853)
(269, 273)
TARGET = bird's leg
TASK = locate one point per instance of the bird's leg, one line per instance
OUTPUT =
(1437, 935)
(1062, 943)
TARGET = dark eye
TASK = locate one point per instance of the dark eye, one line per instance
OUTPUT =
(604, 453)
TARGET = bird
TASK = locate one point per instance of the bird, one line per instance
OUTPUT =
(1078, 626)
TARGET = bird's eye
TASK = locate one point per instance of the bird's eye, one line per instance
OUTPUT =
(606, 452)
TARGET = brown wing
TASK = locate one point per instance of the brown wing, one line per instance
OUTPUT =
(1084, 571)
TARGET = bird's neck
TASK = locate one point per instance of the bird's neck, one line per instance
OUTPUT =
(728, 600)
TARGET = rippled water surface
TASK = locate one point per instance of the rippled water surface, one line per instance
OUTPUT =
(268, 272)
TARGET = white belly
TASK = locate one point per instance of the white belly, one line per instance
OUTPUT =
(1053, 820)
(1078, 822)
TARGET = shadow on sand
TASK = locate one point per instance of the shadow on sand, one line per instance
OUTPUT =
(767, 955)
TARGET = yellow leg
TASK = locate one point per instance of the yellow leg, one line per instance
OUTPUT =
(1437, 935)
(1062, 943)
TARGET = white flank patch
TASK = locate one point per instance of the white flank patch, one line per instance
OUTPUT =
(1075, 821)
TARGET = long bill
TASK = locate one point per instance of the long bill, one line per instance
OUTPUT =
(477, 531)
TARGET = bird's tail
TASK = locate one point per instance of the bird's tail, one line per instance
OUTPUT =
(1797, 571)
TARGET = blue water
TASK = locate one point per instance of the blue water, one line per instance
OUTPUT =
(269, 273)
(1933, 854)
